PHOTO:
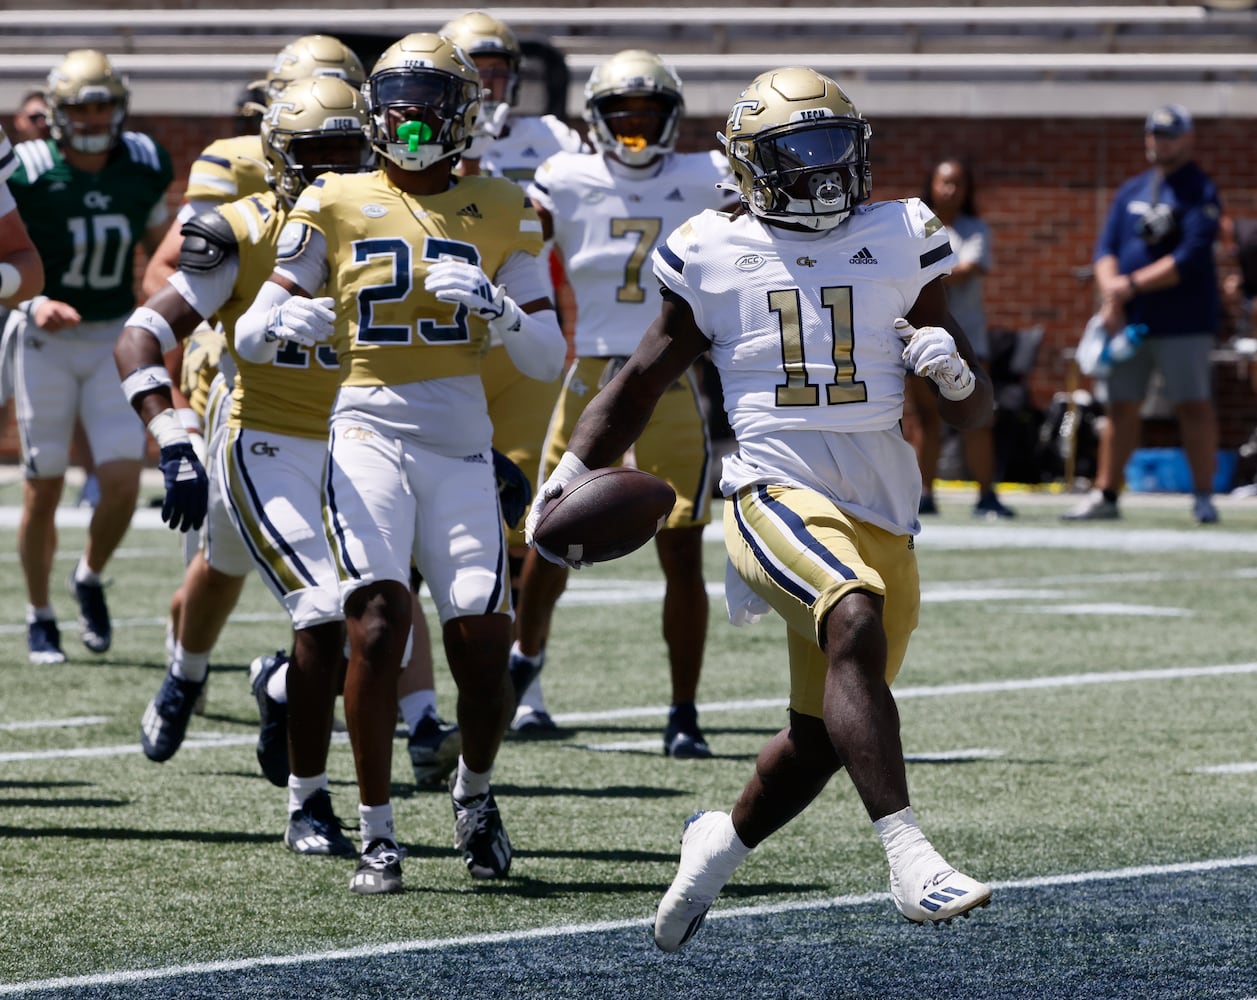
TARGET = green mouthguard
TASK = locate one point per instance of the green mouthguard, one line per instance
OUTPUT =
(413, 133)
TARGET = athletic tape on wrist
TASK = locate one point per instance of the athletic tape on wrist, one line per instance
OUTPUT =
(167, 429)
(144, 380)
(156, 325)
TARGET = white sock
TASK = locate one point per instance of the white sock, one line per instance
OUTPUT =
(533, 700)
(171, 639)
(300, 789)
(518, 654)
(415, 706)
(44, 614)
(902, 838)
(376, 822)
(84, 574)
(724, 838)
(277, 685)
(189, 666)
(468, 784)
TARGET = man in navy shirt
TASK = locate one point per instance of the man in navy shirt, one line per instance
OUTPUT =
(1154, 267)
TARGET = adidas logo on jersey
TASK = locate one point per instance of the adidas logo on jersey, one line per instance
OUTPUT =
(529, 153)
(862, 256)
(470, 211)
(676, 195)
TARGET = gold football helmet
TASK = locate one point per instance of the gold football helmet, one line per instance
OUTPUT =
(312, 55)
(621, 124)
(423, 95)
(481, 34)
(316, 125)
(799, 149)
(86, 77)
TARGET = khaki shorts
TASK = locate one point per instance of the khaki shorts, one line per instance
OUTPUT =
(802, 555)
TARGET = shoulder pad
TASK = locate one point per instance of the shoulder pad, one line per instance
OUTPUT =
(208, 240)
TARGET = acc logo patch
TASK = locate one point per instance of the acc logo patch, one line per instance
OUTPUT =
(750, 261)
(373, 211)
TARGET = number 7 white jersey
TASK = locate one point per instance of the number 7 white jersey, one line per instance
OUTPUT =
(801, 324)
(607, 220)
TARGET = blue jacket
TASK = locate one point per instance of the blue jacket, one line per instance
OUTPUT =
(1189, 198)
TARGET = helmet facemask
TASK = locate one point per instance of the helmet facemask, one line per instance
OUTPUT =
(65, 128)
(635, 129)
(811, 174)
(305, 155)
(634, 104)
(315, 126)
(420, 117)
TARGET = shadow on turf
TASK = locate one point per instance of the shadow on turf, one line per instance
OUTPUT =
(62, 803)
(123, 833)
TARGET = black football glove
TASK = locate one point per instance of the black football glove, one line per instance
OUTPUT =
(187, 487)
(514, 489)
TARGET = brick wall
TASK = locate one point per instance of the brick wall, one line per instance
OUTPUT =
(1043, 186)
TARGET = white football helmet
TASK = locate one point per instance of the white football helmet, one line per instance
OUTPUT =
(86, 77)
(799, 149)
(615, 129)
(315, 126)
(423, 94)
(312, 55)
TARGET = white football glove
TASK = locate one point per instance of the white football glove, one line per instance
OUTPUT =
(488, 130)
(302, 321)
(467, 285)
(931, 352)
(569, 468)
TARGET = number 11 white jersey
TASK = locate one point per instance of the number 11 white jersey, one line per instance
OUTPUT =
(801, 330)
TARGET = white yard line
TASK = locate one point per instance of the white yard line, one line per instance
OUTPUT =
(202, 741)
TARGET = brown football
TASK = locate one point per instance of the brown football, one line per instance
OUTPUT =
(604, 514)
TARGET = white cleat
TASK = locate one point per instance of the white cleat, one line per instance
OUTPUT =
(932, 890)
(707, 863)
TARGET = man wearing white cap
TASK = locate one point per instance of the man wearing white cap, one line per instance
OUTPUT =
(1154, 268)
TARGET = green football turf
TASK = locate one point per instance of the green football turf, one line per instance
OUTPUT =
(1063, 691)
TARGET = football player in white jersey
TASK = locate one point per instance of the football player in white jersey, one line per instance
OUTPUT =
(513, 146)
(21, 270)
(607, 211)
(417, 265)
(813, 305)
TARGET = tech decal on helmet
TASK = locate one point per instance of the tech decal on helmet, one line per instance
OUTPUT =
(86, 77)
(317, 125)
(628, 74)
(423, 95)
(798, 149)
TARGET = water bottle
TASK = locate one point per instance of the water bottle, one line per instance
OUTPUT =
(1123, 344)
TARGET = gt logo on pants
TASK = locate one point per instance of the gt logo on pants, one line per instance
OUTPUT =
(262, 448)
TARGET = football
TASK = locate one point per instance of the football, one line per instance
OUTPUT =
(604, 514)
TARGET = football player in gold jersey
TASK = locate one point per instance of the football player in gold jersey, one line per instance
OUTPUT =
(265, 496)
(417, 266)
(814, 305)
(227, 169)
